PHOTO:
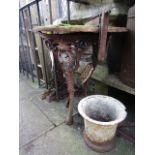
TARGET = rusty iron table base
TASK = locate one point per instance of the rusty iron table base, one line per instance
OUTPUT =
(99, 147)
(70, 44)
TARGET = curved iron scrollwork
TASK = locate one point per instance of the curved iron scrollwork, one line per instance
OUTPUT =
(68, 54)
(48, 44)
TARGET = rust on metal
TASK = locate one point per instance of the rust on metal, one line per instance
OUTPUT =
(45, 94)
(103, 36)
(68, 50)
(87, 72)
(70, 37)
(99, 147)
(68, 44)
(70, 84)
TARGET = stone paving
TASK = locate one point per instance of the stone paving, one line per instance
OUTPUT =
(42, 130)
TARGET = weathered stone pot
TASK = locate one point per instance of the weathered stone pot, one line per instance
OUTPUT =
(101, 114)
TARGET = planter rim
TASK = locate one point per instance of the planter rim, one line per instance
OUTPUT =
(114, 122)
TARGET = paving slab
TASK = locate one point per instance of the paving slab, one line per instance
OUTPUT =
(27, 89)
(65, 140)
(32, 123)
(55, 111)
(39, 136)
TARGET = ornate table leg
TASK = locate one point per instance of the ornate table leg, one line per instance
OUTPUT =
(70, 85)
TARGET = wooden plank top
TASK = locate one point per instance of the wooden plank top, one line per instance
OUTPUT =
(67, 28)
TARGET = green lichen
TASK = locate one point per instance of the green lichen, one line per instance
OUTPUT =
(68, 26)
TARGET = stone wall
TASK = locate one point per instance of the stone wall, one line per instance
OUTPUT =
(95, 7)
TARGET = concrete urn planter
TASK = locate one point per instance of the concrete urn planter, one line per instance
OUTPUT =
(101, 114)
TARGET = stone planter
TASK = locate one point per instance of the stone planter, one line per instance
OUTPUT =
(101, 114)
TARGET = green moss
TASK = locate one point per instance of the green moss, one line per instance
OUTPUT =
(49, 32)
(67, 25)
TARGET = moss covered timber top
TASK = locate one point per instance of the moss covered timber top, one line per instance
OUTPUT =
(67, 28)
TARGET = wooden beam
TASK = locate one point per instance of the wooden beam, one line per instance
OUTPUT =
(67, 28)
